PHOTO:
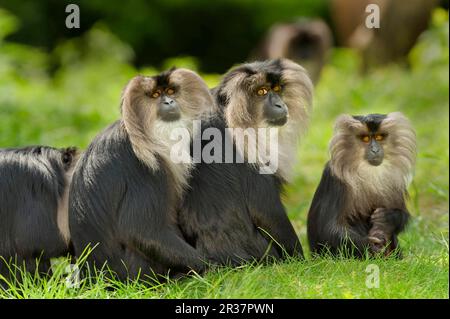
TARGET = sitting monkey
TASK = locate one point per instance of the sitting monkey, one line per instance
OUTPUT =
(34, 186)
(232, 212)
(360, 201)
(127, 187)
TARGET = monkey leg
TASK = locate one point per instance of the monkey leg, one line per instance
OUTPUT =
(338, 237)
(386, 225)
(353, 238)
(148, 228)
(171, 250)
(282, 231)
(268, 213)
(392, 221)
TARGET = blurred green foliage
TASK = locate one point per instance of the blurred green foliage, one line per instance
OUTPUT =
(218, 32)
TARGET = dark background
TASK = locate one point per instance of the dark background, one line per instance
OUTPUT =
(216, 32)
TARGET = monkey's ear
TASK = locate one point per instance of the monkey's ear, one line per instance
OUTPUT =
(347, 122)
(137, 87)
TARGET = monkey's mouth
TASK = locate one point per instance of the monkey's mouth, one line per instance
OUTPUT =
(375, 161)
(278, 122)
(170, 116)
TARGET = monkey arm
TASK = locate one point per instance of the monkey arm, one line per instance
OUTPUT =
(392, 221)
(144, 220)
(166, 246)
(327, 225)
(276, 225)
(268, 213)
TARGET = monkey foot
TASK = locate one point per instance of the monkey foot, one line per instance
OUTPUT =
(378, 241)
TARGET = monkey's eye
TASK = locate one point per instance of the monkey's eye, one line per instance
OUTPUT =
(365, 138)
(156, 94)
(379, 137)
(170, 91)
(277, 88)
(262, 91)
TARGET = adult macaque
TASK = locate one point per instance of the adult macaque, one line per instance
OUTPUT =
(126, 188)
(360, 201)
(34, 183)
(232, 212)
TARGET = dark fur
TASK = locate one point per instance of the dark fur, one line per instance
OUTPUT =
(32, 181)
(232, 213)
(125, 190)
(329, 229)
(162, 80)
(372, 121)
(328, 204)
(226, 208)
(126, 209)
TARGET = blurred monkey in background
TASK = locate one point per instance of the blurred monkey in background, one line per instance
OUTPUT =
(306, 42)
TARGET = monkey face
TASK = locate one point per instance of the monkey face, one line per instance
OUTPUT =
(153, 108)
(361, 144)
(268, 99)
(374, 153)
(177, 94)
(167, 108)
(364, 136)
(269, 93)
(372, 137)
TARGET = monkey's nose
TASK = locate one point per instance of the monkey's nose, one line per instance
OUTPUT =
(275, 110)
(168, 110)
(168, 101)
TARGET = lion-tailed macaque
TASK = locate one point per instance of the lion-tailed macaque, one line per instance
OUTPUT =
(232, 212)
(127, 187)
(359, 205)
(34, 183)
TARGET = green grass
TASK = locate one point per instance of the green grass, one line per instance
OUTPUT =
(423, 273)
(82, 96)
